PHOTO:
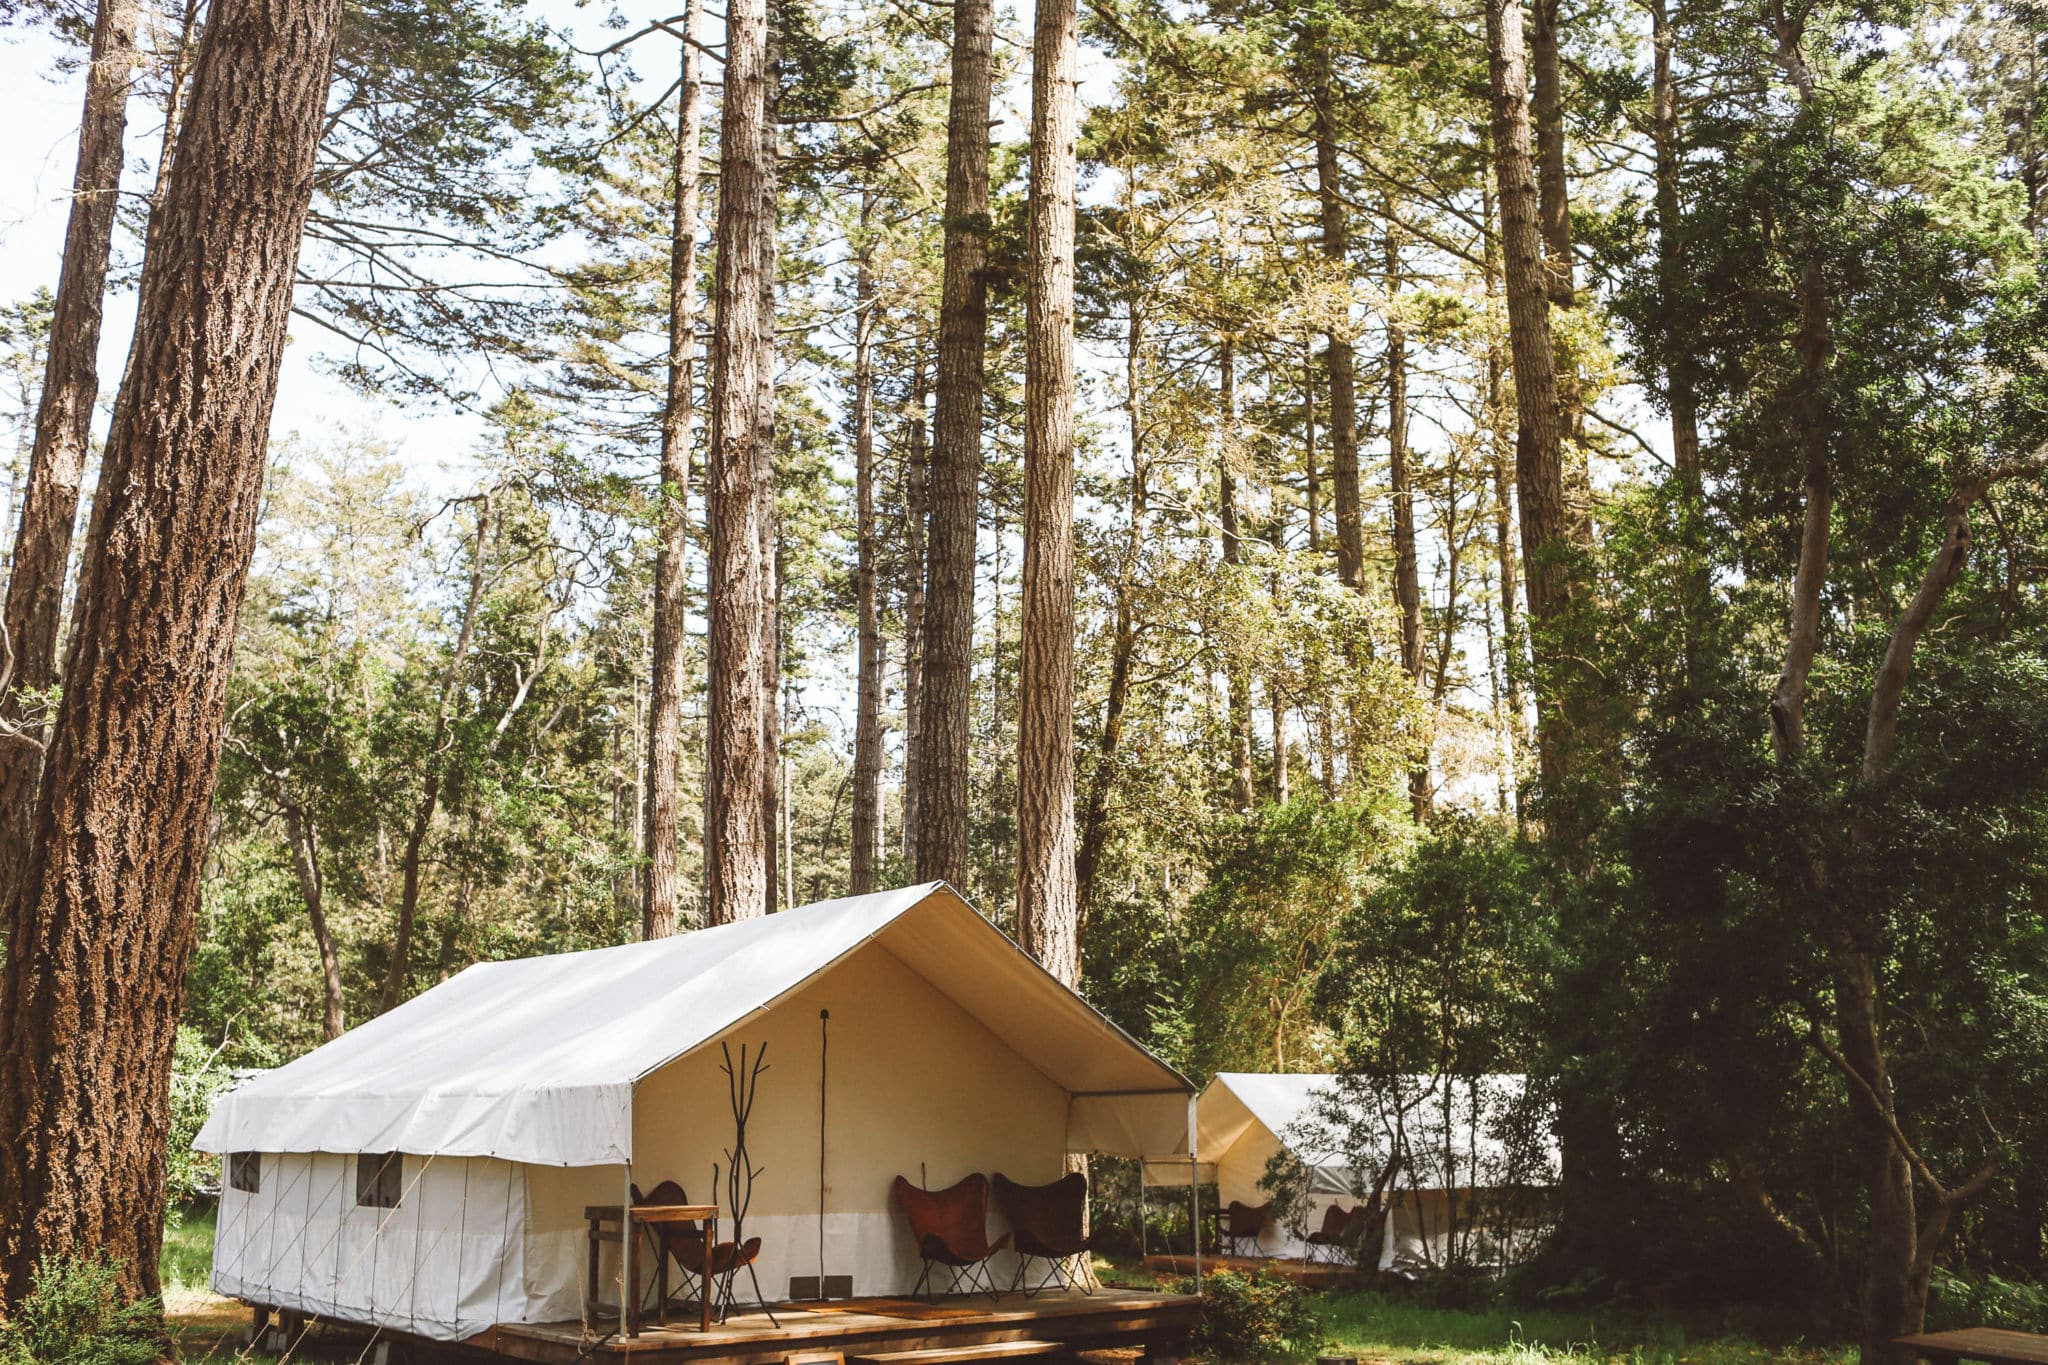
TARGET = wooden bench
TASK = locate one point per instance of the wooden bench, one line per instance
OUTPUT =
(1993, 1345)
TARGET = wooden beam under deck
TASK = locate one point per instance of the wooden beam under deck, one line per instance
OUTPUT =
(1108, 1317)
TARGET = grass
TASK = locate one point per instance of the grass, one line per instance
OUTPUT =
(1381, 1327)
(204, 1327)
(1384, 1328)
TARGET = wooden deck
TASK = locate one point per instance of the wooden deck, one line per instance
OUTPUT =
(819, 1333)
(1313, 1275)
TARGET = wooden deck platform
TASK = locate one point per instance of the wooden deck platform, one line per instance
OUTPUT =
(819, 1333)
(1313, 1275)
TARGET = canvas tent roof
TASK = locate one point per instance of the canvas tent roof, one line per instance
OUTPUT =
(535, 1059)
(1288, 1105)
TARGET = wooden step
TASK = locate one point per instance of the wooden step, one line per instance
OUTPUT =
(960, 1355)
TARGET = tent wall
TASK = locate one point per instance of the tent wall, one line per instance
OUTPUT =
(1241, 1166)
(915, 1085)
(447, 1262)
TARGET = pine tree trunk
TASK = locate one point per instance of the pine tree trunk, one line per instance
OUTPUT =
(1539, 435)
(63, 426)
(1500, 465)
(1123, 633)
(1680, 395)
(1236, 676)
(104, 908)
(1048, 923)
(671, 609)
(1407, 579)
(737, 762)
(916, 473)
(1554, 206)
(1343, 400)
(775, 779)
(867, 729)
(1311, 474)
(956, 457)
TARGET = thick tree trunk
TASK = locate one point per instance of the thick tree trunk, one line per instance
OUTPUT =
(738, 764)
(956, 457)
(775, 773)
(1680, 394)
(1539, 435)
(1500, 465)
(867, 729)
(1236, 676)
(1048, 916)
(1343, 400)
(658, 905)
(1407, 578)
(56, 464)
(916, 473)
(1554, 205)
(104, 908)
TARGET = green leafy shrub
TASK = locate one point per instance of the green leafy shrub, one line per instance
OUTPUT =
(1957, 1299)
(74, 1315)
(1255, 1317)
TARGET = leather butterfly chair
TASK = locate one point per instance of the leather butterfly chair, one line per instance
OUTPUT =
(951, 1228)
(1340, 1232)
(1242, 1224)
(1046, 1222)
(685, 1242)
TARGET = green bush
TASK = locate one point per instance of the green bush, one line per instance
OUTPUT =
(74, 1315)
(1255, 1317)
(1957, 1299)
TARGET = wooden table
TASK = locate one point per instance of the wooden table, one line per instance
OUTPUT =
(647, 1218)
(1992, 1344)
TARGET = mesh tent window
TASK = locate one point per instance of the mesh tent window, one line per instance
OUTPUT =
(378, 1179)
(245, 1171)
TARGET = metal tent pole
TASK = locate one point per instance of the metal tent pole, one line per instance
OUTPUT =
(626, 1252)
(1195, 1190)
(1142, 1248)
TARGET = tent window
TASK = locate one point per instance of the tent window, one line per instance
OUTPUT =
(245, 1171)
(378, 1179)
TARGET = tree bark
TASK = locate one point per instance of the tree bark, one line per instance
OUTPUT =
(1048, 920)
(1539, 431)
(63, 423)
(104, 908)
(1336, 247)
(658, 905)
(915, 476)
(738, 765)
(1311, 474)
(956, 456)
(1407, 579)
(867, 729)
(1236, 676)
(774, 776)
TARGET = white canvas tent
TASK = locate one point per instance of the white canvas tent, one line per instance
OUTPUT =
(1450, 1125)
(517, 1092)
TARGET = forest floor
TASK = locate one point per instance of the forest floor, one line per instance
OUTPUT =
(1378, 1328)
